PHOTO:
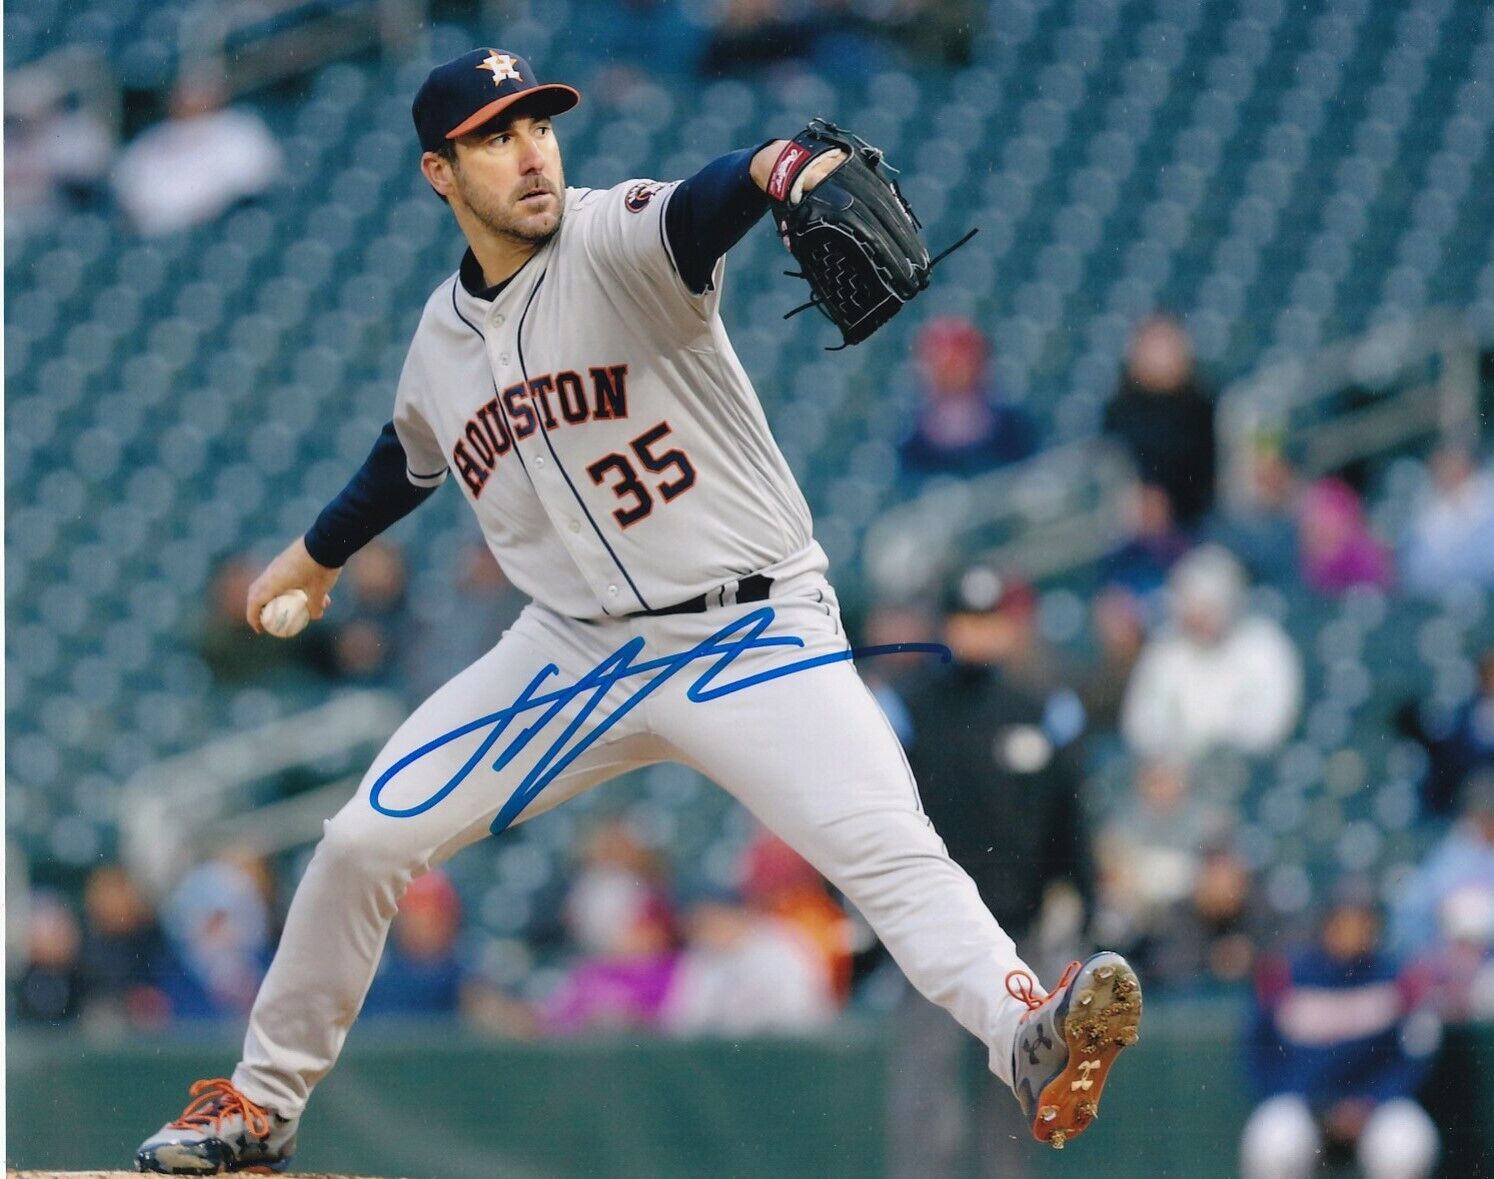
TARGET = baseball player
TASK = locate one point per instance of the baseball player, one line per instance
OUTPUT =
(575, 378)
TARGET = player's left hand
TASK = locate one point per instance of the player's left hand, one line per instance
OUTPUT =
(840, 212)
(822, 167)
(762, 165)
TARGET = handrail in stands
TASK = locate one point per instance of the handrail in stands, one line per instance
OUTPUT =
(167, 809)
(1067, 507)
(1419, 376)
(1052, 512)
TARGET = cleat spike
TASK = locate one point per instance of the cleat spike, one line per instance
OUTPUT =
(1104, 972)
(1086, 999)
(1088, 1111)
(1127, 1037)
(1048, 1113)
(1057, 1139)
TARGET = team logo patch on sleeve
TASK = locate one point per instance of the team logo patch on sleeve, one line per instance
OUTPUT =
(638, 197)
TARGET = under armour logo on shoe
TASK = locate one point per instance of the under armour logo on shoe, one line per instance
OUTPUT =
(1031, 1047)
(1085, 1082)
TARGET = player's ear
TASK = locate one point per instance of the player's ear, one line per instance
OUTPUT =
(437, 170)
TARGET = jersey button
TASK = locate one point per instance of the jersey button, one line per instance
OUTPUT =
(574, 525)
(540, 461)
(612, 591)
(503, 356)
(498, 319)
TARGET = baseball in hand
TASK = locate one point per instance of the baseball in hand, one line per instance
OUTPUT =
(287, 615)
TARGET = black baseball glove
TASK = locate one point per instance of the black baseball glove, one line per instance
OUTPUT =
(854, 235)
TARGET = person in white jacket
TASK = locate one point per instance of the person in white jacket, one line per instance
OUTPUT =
(1215, 676)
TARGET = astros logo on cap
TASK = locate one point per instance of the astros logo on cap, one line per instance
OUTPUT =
(502, 65)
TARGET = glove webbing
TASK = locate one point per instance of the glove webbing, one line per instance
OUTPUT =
(933, 262)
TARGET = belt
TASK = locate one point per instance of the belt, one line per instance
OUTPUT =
(752, 588)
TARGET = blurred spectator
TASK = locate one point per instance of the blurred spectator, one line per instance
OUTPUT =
(1457, 743)
(1154, 544)
(1151, 851)
(1175, 894)
(371, 631)
(982, 751)
(962, 428)
(745, 972)
(1336, 1050)
(1008, 641)
(777, 882)
(51, 987)
(1338, 550)
(934, 30)
(1216, 676)
(838, 39)
(620, 921)
(124, 955)
(1261, 530)
(1003, 792)
(57, 151)
(622, 984)
(1213, 937)
(889, 677)
(1445, 913)
(219, 925)
(751, 35)
(611, 854)
(1118, 627)
(420, 973)
(1165, 417)
(202, 161)
(234, 654)
(1450, 539)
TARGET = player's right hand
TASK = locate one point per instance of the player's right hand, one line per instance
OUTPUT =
(294, 568)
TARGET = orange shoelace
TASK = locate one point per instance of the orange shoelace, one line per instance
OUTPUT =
(216, 1099)
(1021, 986)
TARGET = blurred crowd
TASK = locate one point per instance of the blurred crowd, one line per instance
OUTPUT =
(769, 951)
(185, 154)
(198, 160)
(1181, 661)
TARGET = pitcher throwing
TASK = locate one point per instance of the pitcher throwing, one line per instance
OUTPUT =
(575, 377)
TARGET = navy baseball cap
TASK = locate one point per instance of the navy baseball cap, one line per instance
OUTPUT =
(980, 589)
(464, 93)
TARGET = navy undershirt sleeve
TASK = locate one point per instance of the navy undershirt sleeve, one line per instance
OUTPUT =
(374, 499)
(708, 214)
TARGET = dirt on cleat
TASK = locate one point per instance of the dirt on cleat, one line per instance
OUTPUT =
(1100, 1023)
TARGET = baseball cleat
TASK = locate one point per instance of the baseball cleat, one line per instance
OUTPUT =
(221, 1131)
(1068, 1040)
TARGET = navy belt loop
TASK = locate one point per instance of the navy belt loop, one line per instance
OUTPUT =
(755, 587)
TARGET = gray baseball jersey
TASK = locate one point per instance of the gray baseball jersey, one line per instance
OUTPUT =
(599, 422)
(622, 471)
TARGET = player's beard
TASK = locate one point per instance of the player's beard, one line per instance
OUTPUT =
(507, 219)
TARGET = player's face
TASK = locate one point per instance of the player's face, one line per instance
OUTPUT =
(509, 177)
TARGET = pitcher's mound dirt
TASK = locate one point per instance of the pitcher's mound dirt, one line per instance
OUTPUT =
(131, 1175)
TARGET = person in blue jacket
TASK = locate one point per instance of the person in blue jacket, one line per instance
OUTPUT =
(1339, 1041)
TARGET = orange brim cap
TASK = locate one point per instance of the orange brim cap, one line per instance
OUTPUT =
(551, 98)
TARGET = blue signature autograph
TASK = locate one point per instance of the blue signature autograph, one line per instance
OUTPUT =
(736, 638)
